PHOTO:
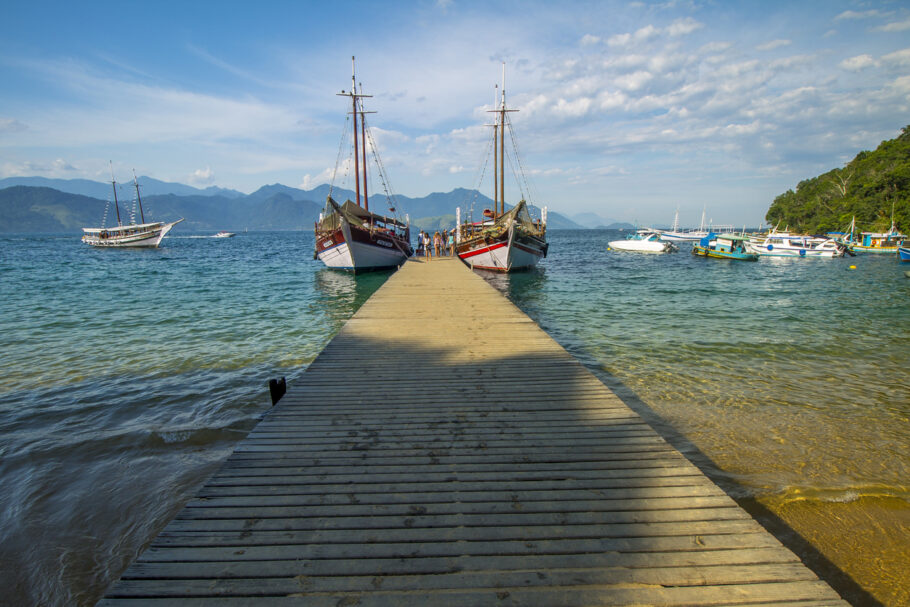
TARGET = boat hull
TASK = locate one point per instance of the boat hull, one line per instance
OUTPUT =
(358, 250)
(903, 253)
(137, 236)
(716, 254)
(502, 254)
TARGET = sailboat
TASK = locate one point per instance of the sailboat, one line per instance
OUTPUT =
(503, 241)
(675, 234)
(349, 236)
(132, 234)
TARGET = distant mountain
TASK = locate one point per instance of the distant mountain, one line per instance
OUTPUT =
(25, 208)
(617, 226)
(591, 220)
(102, 191)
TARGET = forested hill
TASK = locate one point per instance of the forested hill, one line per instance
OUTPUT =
(866, 188)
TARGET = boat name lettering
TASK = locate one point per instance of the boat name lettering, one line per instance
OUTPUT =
(328, 243)
(384, 243)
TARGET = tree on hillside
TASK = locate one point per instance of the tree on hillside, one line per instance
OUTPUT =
(868, 188)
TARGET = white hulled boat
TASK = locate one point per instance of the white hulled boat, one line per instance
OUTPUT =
(129, 235)
(349, 236)
(784, 244)
(645, 240)
(675, 234)
(503, 241)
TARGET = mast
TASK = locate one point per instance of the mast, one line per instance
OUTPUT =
(114, 186)
(138, 198)
(356, 148)
(363, 142)
(495, 154)
(502, 139)
(357, 143)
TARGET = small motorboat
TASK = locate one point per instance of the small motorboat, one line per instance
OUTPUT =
(644, 241)
(903, 253)
(223, 234)
(724, 246)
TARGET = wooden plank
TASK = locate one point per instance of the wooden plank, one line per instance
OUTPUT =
(470, 460)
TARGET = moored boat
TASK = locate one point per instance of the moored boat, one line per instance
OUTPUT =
(724, 246)
(144, 234)
(503, 241)
(784, 244)
(903, 253)
(879, 242)
(349, 236)
(645, 240)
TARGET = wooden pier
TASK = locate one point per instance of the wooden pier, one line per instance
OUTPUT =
(444, 450)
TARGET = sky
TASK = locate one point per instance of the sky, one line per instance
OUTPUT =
(630, 110)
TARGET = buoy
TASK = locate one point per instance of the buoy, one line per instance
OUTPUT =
(852, 267)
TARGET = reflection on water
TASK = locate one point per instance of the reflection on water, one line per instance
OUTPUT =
(789, 376)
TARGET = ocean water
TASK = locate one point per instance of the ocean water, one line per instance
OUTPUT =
(128, 376)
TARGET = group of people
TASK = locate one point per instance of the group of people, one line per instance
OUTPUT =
(439, 244)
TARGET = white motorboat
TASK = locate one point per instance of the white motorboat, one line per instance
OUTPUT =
(223, 234)
(784, 244)
(644, 241)
(132, 234)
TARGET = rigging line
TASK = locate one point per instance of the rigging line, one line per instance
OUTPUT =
(383, 176)
(482, 171)
(344, 134)
(521, 168)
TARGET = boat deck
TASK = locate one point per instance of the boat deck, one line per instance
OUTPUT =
(444, 450)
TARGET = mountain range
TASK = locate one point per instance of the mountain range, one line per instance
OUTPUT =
(38, 204)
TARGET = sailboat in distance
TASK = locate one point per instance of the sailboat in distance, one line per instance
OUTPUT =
(349, 236)
(127, 235)
(503, 241)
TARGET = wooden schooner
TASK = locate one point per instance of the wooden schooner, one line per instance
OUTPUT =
(503, 241)
(349, 236)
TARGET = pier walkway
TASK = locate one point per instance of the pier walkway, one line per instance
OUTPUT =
(444, 450)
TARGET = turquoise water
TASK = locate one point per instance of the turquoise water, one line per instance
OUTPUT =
(128, 376)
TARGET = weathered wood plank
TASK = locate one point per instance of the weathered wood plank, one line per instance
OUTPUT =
(470, 460)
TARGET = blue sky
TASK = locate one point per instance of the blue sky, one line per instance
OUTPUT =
(627, 109)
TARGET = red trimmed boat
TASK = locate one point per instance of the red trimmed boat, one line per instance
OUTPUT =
(504, 241)
(349, 236)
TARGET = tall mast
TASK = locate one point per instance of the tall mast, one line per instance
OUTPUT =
(363, 143)
(138, 198)
(502, 140)
(114, 185)
(495, 154)
(356, 148)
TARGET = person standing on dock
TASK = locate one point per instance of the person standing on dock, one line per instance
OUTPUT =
(452, 243)
(426, 245)
(437, 243)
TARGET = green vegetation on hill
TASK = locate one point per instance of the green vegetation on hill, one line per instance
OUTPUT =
(867, 188)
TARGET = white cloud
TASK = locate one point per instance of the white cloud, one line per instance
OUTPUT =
(203, 176)
(589, 40)
(634, 81)
(860, 62)
(682, 27)
(854, 15)
(897, 26)
(900, 58)
(773, 44)
(309, 182)
(576, 108)
(619, 40)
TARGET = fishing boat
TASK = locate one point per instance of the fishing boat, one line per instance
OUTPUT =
(223, 234)
(784, 244)
(879, 242)
(724, 246)
(127, 235)
(645, 240)
(502, 241)
(349, 236)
